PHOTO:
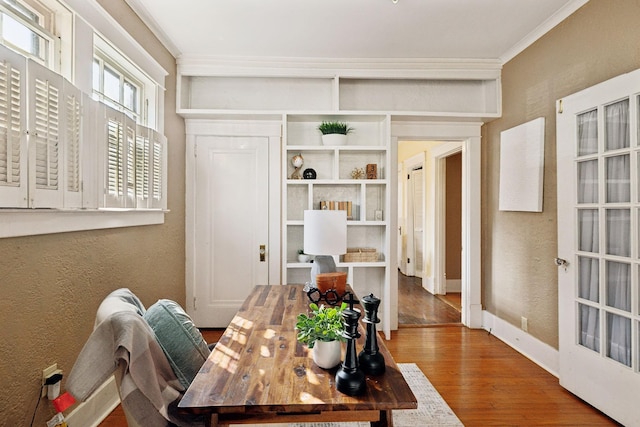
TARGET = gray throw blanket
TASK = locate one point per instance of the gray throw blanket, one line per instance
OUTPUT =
(149, 389)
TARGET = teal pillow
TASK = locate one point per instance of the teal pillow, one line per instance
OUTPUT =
(179, 338)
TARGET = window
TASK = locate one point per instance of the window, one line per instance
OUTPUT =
(91, 155)
(26, 29)
(117, 88)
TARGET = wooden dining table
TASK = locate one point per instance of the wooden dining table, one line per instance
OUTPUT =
(259, 373)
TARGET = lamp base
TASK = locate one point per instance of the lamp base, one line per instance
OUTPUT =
(321, 264)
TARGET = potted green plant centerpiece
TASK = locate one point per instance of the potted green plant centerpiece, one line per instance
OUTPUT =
(322, 331)
(334, 133)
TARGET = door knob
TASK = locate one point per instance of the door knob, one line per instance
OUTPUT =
(263, 252)
(561, 262)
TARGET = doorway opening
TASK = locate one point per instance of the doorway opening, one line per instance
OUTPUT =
(429, 234)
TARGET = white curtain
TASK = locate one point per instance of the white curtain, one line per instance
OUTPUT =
(618, 274)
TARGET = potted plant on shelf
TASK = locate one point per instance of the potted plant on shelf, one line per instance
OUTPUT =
(302, 257)
(322, 331)
(334, 133)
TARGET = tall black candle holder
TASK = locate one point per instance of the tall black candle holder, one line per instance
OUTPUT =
(371, 361)
(350, 379)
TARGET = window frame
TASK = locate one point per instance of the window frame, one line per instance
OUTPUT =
(51, 50)
(97, 26)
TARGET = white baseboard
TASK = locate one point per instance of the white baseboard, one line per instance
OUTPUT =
(97, 407)
(454, 285)
(540, 353)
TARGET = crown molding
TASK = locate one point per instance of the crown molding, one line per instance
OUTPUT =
(562, 14)
(153, 25)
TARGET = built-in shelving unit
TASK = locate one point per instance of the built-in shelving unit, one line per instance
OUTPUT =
(216, 89)
(368, 227)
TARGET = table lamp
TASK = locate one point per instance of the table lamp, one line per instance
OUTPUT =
(325, 236)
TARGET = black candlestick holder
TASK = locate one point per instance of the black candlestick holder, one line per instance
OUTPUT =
(371, 361)
(350, 379)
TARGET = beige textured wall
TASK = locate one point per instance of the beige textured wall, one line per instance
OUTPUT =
(51, 285)
(600, 41)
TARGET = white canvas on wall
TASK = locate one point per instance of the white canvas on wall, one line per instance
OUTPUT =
(522, 167)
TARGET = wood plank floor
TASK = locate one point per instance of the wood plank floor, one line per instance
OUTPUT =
(416, 306)
(483, 380)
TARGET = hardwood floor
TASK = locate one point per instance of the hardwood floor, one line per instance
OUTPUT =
(484, 381)
(417, 307)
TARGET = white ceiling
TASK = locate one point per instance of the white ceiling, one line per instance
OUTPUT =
(353, 29)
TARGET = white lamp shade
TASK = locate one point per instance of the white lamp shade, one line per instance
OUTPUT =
(325, 232)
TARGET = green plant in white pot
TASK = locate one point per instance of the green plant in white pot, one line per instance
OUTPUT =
(334, 133)
(322, 330)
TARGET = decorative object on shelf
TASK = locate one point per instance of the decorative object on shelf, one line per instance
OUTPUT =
(297, 161)
(350, 379)
(340, 206)
(302, 257)
(370, 359)
(317, 330)
(361, 255)
(325, 236)
(372, 171)
(358, 173)
(309, 174)
(334, 133)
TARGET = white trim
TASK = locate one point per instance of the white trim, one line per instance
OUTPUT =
(97, 407)
(153, 25)
(542, 354)
(469, 135)
(438, 156)
(542, 29)
(453, 285)
(110, 29)
(30, 222)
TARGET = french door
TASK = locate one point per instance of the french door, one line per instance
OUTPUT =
(598, 154)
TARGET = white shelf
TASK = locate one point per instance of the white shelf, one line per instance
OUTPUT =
(368, 144)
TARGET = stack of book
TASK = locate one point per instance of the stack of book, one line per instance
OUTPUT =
(340, 206)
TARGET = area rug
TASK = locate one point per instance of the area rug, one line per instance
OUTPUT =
(432, 409)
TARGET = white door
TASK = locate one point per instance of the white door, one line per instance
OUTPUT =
(231, 225)
(598, 226)
(417, 185)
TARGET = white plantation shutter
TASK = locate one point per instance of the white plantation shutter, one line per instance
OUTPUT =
(143, 167)
(13, 139)
(94, 143)
(130, 175)
(72, 98)
(46, 149)
(158, 170)
(120, 160)
(115, 153)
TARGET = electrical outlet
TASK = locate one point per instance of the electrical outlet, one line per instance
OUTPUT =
(46, 373)
(524, 324)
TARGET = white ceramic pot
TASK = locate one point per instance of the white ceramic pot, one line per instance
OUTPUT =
(334, 139)
(326, 354)
(304, 258)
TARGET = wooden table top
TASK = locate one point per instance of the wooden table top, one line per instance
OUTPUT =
(258, 366)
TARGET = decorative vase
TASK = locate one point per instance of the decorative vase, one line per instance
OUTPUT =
(334, 139)
(326, 354)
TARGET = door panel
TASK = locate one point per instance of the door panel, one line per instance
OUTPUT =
(598, 226)
(417, 181)
(231, 223)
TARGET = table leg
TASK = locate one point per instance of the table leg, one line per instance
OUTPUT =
(213, 421)
(386, 420)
